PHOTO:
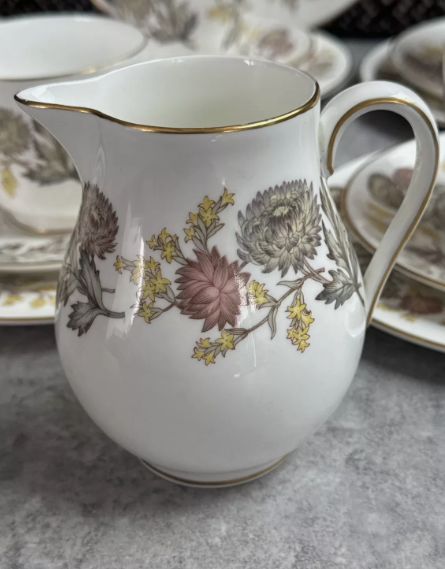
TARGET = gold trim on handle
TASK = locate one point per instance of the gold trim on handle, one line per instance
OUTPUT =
(364, 105)
(310, 104)
(414, 223)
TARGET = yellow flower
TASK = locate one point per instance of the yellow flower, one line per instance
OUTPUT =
(146, 312)
(258, 292)
(164, 235)
(193, 218)
(207, 216)
(152, 265)
(307, 319)
(296, 311)
(292, 334)
(300, 339)
(226, 341)
(159, 282)
(210, 358)
(148, 291)
(12, 299)
(168, 252)
(220, 13)
(204, 343)
(138, 273)
(37, 303)
(152, 242)
(206, 203)
(198, 354)
(189, 233)
(227, 198)
(119, 264)
(9, 181)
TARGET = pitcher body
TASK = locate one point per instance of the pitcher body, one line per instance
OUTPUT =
(211, 312)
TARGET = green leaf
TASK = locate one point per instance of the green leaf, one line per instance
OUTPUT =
(291, 284)
(339, 290)
(91, 278)
(214, 229)
(83, 316)
(272, 321)
(336, 253)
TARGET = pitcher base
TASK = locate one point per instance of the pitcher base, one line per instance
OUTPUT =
(213, 480)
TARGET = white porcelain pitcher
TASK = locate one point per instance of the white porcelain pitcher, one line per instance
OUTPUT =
(211, 310)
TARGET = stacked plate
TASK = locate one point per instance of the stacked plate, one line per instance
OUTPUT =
(369, 191)
(29, 263)
(267, 29)
(415, 59)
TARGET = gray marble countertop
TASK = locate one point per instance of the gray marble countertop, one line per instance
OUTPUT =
(366, 492)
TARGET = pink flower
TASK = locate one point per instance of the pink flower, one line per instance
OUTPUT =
(212, 289)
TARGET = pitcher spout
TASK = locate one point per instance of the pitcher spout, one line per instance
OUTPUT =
(54, 107)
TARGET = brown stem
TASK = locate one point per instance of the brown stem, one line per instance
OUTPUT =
(279, 302)
(315, 274)
(243, 264)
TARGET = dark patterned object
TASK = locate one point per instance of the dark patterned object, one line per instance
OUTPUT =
(371, 18)
(15, 7)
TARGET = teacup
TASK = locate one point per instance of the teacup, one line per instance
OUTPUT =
(211, 312)
(39, 185)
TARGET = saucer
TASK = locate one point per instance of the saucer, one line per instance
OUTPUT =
(27, 302)
(24, 252)
(376, 66)
(330, 65)
(371, 200)
(417, 55)
(407, 309)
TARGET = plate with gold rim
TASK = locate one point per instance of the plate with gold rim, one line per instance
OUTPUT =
(371, 200)
(407, 309)
(23, 251)
(377, 66)
(27, 302)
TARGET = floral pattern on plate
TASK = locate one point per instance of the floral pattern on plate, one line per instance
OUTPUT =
(407, 309)
(28, 301)
(32, 149)
(371, 199)
(400, 294)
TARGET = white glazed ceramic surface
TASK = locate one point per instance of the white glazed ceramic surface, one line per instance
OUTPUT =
(423, 259)
(212, 310)
(329, 61)
(39, 185)
(417, 55)
(175, 19)
(406, 309)
(376, 65)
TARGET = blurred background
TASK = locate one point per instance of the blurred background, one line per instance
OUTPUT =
(366, 18)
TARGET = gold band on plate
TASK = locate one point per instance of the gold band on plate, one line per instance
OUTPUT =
(411, 228)
(171, 130)
(216, 483)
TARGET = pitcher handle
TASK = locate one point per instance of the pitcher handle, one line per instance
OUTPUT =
(386, 96)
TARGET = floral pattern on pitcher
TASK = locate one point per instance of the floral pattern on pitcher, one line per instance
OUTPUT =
(31, 148)
(280, 230)
(93, 238)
